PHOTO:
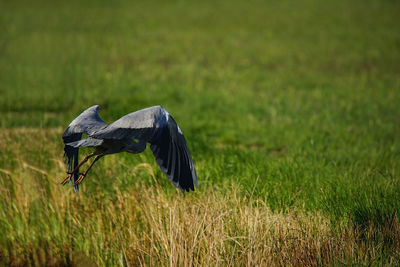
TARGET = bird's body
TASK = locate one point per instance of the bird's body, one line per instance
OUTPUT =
(131, 133)
(111, 146)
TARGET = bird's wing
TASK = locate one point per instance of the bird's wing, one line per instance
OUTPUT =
(87, 122)
(156, 126)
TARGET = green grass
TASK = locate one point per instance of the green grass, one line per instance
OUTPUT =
(294, 102)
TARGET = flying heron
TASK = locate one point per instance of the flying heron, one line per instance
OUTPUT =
(130, 133)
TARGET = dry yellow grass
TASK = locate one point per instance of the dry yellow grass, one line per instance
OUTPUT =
(43, 223)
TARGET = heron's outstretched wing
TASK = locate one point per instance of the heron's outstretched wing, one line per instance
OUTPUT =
(156, 126)
(87, 122)
(172, 155)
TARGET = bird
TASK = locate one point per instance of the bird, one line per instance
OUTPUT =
(131, 133)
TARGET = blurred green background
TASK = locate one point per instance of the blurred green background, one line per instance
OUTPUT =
(295, 101)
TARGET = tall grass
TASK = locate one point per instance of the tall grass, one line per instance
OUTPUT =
(43, 223)
(290, 109)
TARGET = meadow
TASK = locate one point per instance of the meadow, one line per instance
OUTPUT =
(290, 110)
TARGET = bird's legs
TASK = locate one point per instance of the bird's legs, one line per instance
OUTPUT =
(76, 168)
(82, 176)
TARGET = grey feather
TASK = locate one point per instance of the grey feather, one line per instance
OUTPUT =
(153, 125)
(71, 156)
(87, 142)
(87, 122)
(140, 124)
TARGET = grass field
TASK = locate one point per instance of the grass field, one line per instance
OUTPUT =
(290, 109)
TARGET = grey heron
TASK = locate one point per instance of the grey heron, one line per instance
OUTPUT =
(130, 133)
